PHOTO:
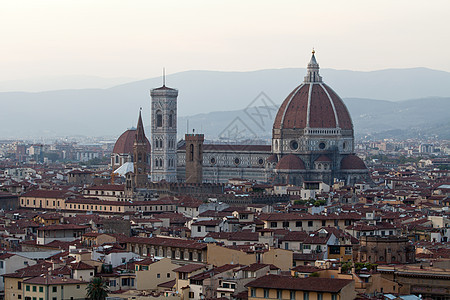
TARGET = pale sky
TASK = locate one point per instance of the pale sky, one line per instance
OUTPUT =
(137, 38)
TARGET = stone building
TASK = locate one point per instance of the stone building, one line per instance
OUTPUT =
(8, 201)
(312, 140)
(386, 250)
(80, 177)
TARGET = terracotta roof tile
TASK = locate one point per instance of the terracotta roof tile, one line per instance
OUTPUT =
(315, 284)
(352, 162)
(189, 268)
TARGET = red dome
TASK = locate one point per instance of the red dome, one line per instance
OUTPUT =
(313, 104)
(124, 143)
(290, 162)
(352, 162)
(325, 107)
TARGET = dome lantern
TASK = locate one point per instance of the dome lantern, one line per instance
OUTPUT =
(312, 74)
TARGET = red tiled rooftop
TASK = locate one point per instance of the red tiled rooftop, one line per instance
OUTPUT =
(46, 194)
(313, 284)
(107, 187)
(189, 268)
(62, 227)
(52, 280)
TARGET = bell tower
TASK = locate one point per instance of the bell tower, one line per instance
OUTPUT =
(140, 156)
(194, 158)
(164, 134)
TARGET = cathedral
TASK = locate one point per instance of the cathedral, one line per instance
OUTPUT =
(312, 140)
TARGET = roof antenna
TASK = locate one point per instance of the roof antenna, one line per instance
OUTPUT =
(164, 77)
(187, 126)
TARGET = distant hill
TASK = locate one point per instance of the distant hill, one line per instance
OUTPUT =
(102, 112)
(421, 115)
(410, 118)
(51, 83)
(207, 91)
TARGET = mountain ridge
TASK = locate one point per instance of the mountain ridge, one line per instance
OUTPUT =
(370, 118)
(101, 112)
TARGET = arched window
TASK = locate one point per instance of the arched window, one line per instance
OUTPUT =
(159, 119)
(139, 157)
(171, 119)
(191, 152)
(160, 162)
(156, 162)
(199, 151)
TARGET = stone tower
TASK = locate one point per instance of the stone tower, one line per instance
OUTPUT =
(164, 134)
(194, 158)
(140, 156)
(129, 185)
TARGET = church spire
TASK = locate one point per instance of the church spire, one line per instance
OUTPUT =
(140, 134)
(140, 156)
(312, 74)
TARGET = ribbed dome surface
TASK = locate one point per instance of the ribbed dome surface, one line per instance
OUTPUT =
(290, 162)
(315, 106)
(124, 143)
(352, 162)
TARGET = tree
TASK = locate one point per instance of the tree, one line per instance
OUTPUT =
(300, 202)
(97, 289)
(345, 267)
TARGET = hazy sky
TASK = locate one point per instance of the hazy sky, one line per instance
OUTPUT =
(137, 38)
